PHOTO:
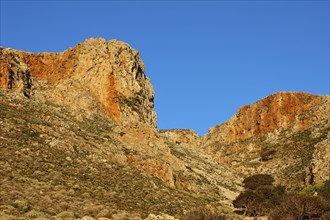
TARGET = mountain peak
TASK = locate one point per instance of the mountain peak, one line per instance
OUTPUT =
(96, 75)
(282, 110)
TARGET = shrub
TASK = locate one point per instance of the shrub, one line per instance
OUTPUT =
(204, 214)
(260, 196)
(22, 206)
(297, 206)
(325, 216)
(244, 199)
(290, 207)
(33, 214)
(266, 154)
(324, 191)
(315, 207)
(253, 182)
(249, 201)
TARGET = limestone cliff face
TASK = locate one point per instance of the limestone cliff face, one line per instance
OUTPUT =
(95, 75)
(282, 110)
(285, 134)
(319, 167)
(14, 73)
(182, 136)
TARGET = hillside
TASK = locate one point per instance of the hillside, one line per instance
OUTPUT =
(79, 140)
(285, 134)
(55, 163)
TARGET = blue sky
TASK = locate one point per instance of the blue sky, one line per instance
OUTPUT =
(205, 59)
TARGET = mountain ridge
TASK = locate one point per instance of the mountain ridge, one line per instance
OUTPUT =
(74, 114)
(75, 76)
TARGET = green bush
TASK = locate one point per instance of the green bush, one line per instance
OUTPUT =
(269, 191)
(260, 201)
(262, 198)
(253, 182)
(249, 201)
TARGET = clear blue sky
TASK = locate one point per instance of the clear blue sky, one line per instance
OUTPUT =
(205, 58)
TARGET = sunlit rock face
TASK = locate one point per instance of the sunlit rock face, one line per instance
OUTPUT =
(83, 120)
(285, 134)
(281, 110)
(96, 75)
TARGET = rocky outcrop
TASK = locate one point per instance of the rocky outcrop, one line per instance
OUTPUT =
(318, 169)
(282, 110)
(14, 73)
(285, 134)
(182, 136)
(99, 76)
(96, 75)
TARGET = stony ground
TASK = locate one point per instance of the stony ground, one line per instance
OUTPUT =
(55, 164)
(59, 163)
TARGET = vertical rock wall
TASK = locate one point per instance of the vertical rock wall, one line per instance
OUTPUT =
(96, 74)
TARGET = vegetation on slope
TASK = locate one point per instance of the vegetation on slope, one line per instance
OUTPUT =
(53, 162)
(262, 198)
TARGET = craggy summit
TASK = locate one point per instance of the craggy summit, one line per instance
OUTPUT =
(96, 74)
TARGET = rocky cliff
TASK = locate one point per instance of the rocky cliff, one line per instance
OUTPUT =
(285, 134)
(78, 129)
(96, 75)
(295, 110)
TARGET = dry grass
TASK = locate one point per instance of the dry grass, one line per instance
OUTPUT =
(53, 164)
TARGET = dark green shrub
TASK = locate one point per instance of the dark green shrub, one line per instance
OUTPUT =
(244, 199)
(253, 182)
(262, 198)
(266, 154)
(249, 201)
(265, 192)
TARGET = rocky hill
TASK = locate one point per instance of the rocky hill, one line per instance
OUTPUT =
(94, 76)
(285, 134)
(79, 140)
(55, 164)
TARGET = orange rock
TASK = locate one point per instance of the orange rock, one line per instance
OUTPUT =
(96, 73)
(281, 110)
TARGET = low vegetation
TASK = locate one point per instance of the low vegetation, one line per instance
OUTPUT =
(54, 165)
(204, 214)
(266, 153)
(262, 198)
